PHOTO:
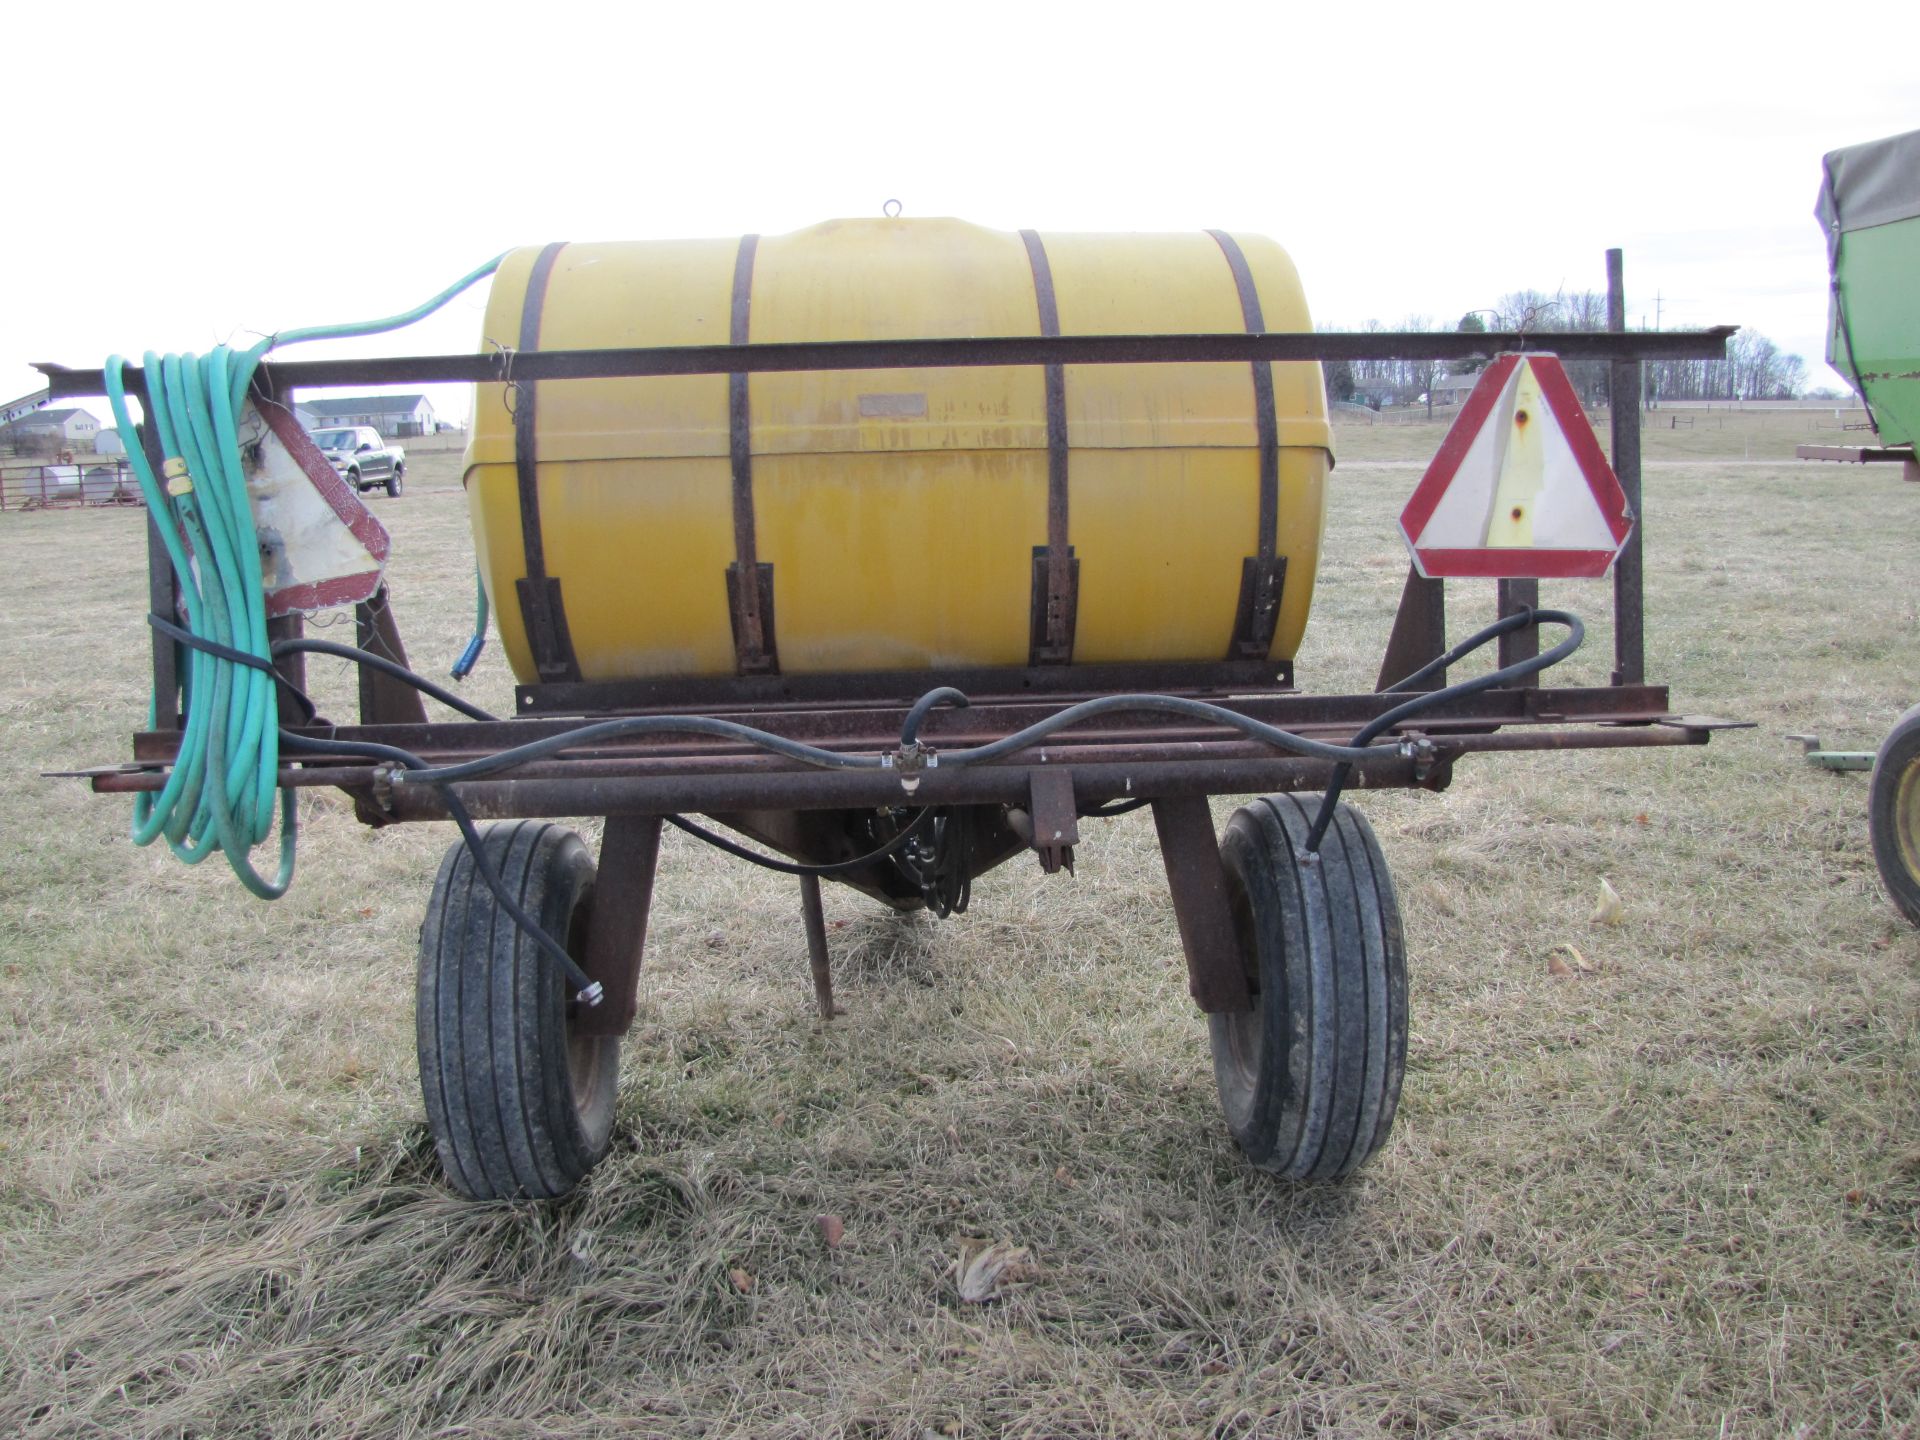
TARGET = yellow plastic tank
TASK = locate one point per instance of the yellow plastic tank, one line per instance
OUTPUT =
(897, 520)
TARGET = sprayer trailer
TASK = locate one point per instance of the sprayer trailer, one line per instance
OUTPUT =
(898, 548)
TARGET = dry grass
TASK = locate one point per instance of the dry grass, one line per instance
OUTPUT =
(1677, 1194)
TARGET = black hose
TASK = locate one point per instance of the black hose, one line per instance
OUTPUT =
(1343, 756)
(585, 989)
(1506, 624)
(940, 868)
(1173, 704)
(941, 871)
(923, 707)
(239, 657)
(641, 725)
(794, 867)
(1427, 700)
(837, 760)
(385, 667)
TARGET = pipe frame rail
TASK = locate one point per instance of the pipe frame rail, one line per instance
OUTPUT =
(506, 365)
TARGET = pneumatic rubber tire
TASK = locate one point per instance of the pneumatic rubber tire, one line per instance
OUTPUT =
(1309, 1080)
(394, 479)
(1893, 814)
(518, 1105)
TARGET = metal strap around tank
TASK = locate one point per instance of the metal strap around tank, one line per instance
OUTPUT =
(1262, 575)
(749, 583)
(541, 611)
(1056, 573)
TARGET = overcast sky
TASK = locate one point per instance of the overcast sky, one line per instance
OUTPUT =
(186, 174)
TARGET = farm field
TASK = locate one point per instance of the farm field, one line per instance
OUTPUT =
(1665, 1181)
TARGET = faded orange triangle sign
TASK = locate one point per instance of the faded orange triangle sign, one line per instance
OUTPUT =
(1520, 487)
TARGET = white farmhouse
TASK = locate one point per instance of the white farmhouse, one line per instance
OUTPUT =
(68, 429)
(394, 416)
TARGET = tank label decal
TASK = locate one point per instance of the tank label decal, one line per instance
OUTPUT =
(1056, 596)
(1265, 572)
(893, 407)
(749, 605)
(541, 611)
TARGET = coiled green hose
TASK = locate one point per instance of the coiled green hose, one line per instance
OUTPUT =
(219, 794)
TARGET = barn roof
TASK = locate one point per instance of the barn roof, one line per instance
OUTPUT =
(50, 417)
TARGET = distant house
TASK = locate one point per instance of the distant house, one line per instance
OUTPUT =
(392, 415)
(108, 442)
(52, 429)
(1453, 389)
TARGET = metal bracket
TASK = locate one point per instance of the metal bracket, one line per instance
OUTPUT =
(750, 609)
(617, 926)
(1054, 607)
(1419, 632)
(1056, 821)
(1833, 759)
(1216, 976)
(384, 700)
(1262, 582)
(543, 615)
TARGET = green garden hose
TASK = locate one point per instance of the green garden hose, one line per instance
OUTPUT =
(219, 793)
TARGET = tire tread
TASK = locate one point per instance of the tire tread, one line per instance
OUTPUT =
(1331, 956)
(491, 1021)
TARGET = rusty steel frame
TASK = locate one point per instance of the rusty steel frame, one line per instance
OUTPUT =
(673, 783)
(1173, 763)
(874, 727)
(508, 366)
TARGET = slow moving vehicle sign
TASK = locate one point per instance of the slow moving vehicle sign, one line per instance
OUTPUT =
(1519, 488)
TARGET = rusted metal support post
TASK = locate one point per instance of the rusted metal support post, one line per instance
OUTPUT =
(1518, 645)
(1419, 633)
(163, 600)
(617, 929)
(384, 700)
(1215, 976)
(163, 591)
(291, 667)
(1629, 604)
(817, 955)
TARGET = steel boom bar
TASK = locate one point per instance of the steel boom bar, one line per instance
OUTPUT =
(507, 365)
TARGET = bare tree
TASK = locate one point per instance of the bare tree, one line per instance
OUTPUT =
(1421, 374)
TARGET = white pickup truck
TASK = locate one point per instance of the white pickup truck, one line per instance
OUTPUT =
(362, 458)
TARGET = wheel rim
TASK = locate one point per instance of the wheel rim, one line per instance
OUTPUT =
(1906, 818)
(583, 1071)
(1244, 1032)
